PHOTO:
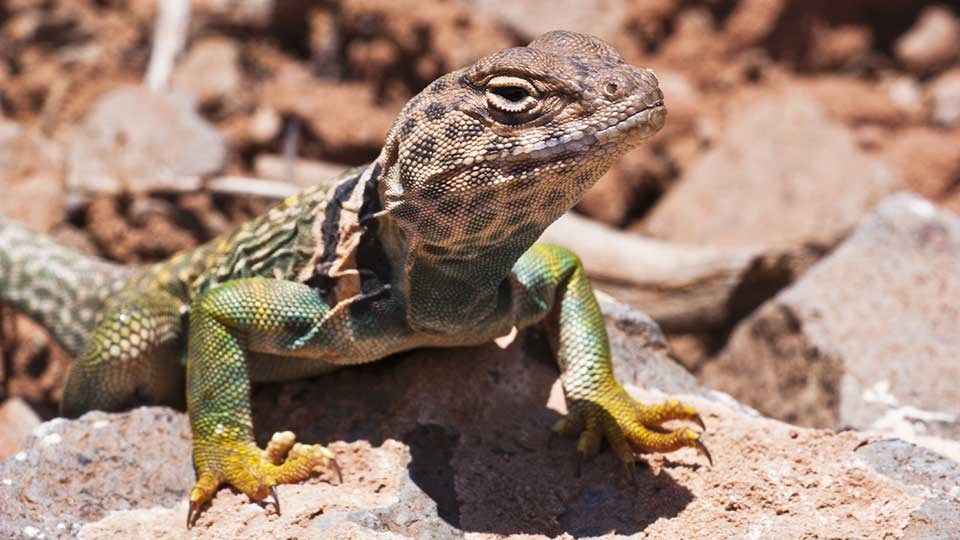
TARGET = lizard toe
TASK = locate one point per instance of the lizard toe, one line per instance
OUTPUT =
(648, 441)
(629, 427)
(253, 471)
(656, 415)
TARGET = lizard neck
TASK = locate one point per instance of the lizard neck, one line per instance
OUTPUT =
(451, 260)
(451, 288)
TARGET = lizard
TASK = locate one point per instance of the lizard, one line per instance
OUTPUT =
(433, 244)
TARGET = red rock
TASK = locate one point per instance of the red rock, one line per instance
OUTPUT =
(37, 369)
(256, 13)
(752, 21)
(72, 472)
(531, 18)
(345, 118)
(840, 46)
(927, 159)
(932, 43)
(301, 172)
(684, 101)
(137, 141)
(623, 189)
(855, 101)
(693, 37)
(30, 171)
(944, 97)
(422, 44)
(211, 71)
(425, 455)
(803, 182)
(649, 20)
(17, 419)
(866, 338)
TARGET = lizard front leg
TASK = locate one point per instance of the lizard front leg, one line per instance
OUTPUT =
(554, 287)
(227, 323)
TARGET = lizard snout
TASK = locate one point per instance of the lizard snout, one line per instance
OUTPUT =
(632, 82)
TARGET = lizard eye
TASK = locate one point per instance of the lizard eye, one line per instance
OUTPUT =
(511, 94)
(514, 94)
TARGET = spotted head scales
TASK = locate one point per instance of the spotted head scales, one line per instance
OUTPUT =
(526, 129)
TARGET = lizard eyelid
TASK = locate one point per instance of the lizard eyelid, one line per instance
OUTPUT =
(511, 94)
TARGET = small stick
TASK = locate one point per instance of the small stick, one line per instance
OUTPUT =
(169, 39)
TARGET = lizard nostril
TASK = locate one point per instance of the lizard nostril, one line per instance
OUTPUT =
(611, 89)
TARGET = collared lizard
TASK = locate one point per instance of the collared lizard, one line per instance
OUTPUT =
(433, 244)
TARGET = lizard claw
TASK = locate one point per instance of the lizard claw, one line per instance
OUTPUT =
(192, 513)
(336, 467)
(253, 471)
(631, 472)
(702, 448)
(275, 497)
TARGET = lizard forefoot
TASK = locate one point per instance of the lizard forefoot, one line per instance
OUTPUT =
(629, 426)
(253, 471)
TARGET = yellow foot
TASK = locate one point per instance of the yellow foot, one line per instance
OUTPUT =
(628, 426)
(254, 471)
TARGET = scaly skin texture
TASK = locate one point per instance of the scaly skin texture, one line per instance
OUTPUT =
(433, 244)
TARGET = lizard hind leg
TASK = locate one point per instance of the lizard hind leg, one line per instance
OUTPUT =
(131, 357)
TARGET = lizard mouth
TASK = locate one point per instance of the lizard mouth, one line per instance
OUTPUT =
(632, 129)
(645, 122)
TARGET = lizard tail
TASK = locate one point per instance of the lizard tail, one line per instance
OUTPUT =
(59, 288)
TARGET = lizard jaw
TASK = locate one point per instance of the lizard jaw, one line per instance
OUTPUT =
(629, 131)
(642, 123)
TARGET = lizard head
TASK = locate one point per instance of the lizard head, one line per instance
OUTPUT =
(502, 148)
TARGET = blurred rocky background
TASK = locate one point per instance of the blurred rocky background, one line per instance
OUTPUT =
(764, 229)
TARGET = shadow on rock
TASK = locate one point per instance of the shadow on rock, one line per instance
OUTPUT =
(477, 425)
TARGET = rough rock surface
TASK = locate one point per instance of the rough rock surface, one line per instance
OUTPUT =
(343, 117)
(855, 102)
(600, 18)
(927, 159)
(933, 42)
(68, 472)
(945, 98)
(210, 71)
(454, 443)
(137, 141)
(936, 517)
(16, 421)
(780, 173)
(30, 173)
(867, 338)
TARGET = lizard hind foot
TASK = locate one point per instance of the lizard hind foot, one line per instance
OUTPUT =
(253, 471)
